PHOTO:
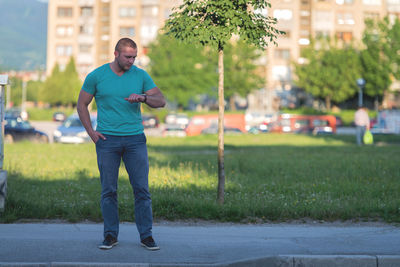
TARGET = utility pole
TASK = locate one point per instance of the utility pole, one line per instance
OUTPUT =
(3, 173)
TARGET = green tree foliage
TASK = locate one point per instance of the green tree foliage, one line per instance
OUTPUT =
(62, 87)
(214, 23)
(50, 90)
(181, 70)
(15, 91)
(330, 72)
(375, 58)
(392, 44)
(71, 84)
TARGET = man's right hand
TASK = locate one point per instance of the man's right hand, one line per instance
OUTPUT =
(95, 136)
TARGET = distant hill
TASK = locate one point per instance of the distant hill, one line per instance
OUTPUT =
(23, 33)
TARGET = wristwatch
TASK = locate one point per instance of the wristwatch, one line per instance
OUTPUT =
(145, 98)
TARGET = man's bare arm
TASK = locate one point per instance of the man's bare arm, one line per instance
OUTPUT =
(83, 112)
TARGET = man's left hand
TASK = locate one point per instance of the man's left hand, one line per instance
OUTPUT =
(135, 98)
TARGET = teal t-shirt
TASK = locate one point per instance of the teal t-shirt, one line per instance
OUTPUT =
(115, 115)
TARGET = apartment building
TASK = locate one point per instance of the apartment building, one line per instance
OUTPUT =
(89, 29)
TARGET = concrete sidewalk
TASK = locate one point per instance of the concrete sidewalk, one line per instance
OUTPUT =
(51, 244)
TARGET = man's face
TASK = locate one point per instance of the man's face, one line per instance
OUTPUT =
(126, 57)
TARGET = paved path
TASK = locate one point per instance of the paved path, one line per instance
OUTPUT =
(203, 245)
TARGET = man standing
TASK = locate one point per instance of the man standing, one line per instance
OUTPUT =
(361, 120)
(119, 88)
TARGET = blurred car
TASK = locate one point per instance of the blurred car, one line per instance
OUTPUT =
(15, 113)
(59, 116)
(150, 121)
(16, 129)
(213, 129)
(72, 131)
(339, 121)
(174, 130)
(177, 119)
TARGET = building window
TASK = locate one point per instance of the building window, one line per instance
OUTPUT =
(127, 31)
(85, 48)
(64, 12)
(86, 29)
(282, 54)
(280, 73)
(283, 14)
(64, 31)
(149, 31)
(86, 11)
(344, 2)
(304, 41)
(345, 19)
(167, 13)
(344, 36)
(371, 15)
(372, 2)
(127, 12)
(64, 50)
(150, 11)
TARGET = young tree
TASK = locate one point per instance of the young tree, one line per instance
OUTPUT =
(213, 23)
(379, 58)
(330, 72)
(62, 87)
(51, 88)
(70, 84)
(182, 70)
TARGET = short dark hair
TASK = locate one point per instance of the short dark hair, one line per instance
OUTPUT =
(125, 42)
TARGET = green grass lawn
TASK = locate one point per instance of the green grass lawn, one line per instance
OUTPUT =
(269, 177)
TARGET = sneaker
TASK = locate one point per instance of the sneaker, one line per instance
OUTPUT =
(149, 243)
(109, 242)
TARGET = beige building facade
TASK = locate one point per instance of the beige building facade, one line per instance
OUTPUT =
(89, 29)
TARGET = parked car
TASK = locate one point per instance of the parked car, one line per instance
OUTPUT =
(305, 124)
(15, 113)
(174, 130)
(181, 120)
(150, 121)
(59, 116)
(213, 129)
(16, 129)
(72, 131)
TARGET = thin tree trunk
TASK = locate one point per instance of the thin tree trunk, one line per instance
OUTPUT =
(221, 107)
(328, 102)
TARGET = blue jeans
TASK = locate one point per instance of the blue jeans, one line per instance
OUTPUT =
(360, 131)
(133, 151)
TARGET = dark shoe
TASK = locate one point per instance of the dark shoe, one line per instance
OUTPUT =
(149, 243)
(109, 242)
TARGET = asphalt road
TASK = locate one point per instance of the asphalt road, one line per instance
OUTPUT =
(60, 244)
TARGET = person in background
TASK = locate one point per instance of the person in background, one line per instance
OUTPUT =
(361, 120)
(119, 89)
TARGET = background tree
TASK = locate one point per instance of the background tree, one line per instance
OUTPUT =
(392, 44)
(213, 23)
(62, 88)
(376, 59)
(51, 88)
(181, 70)
(330, 72)
(70, 84)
